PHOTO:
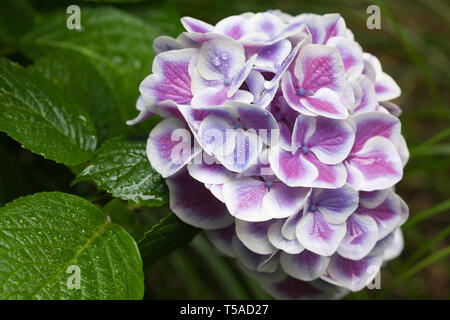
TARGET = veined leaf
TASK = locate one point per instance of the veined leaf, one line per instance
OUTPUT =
(49, 241)
(43, 119)
(117, 45)
(164, 237)
(122, 168)
(78, 76)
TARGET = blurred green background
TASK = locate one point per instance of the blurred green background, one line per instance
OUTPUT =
(413, 46)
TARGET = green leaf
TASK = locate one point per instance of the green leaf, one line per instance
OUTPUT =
(117, 45)
(16, 18)
(43, 119)
(164, 237)
(43, 235)
(78, 76)
(122, 168)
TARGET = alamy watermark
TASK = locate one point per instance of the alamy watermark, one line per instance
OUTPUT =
(374, 20)
(74, 280)
(73, 21)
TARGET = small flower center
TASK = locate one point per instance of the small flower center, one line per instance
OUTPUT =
(278, 116)
(301, 91)
(269, 183)
(227, 82)
(305, 149)
(312, 208)
(238, 126)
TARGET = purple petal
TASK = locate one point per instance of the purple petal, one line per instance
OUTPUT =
(169, 147)
(402, 149)
(336, 205)
(280, 242)
(170, 79)
(296, 29)
(304, 128)
(199, 38)
(286, 63)
(315, 27)
(354, 275)
(351, 54)
(372, 199)
(330, 140)
(234, 27)
(216, 135)
(248, 146)
(292, 169)
(263, 28)
(283, 201)
(360, 239)
(255, 83)
(372, 124)
(387, 215)
(318, 67)
(404, 211)
(144, 113)
(366, 98)
(386, 88)
(220, 60)
(256, 118)
(195, 25)
(319, 236)
(285, 135)
(304, 266)
(378, 163)
(195, 115)
(291, 96)
(272, 56)
(244, 199)
(254, 236)
(212, 96)
(372, 67)
(213, 173)
(263, 97)
(240, 77)
(288, 229)
(334, 26)
(382, 245)
(165, 43)
(325, 102)
(329, 175)
(392, 108)
(193, 204)
(216, 190)
(396, 247)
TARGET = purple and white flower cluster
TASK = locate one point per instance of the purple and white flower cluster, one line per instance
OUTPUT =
(279, 140)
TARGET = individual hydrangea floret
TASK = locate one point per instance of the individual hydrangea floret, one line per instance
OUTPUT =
(279, 139)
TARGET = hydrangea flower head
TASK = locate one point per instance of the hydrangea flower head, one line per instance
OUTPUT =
(279, 140)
